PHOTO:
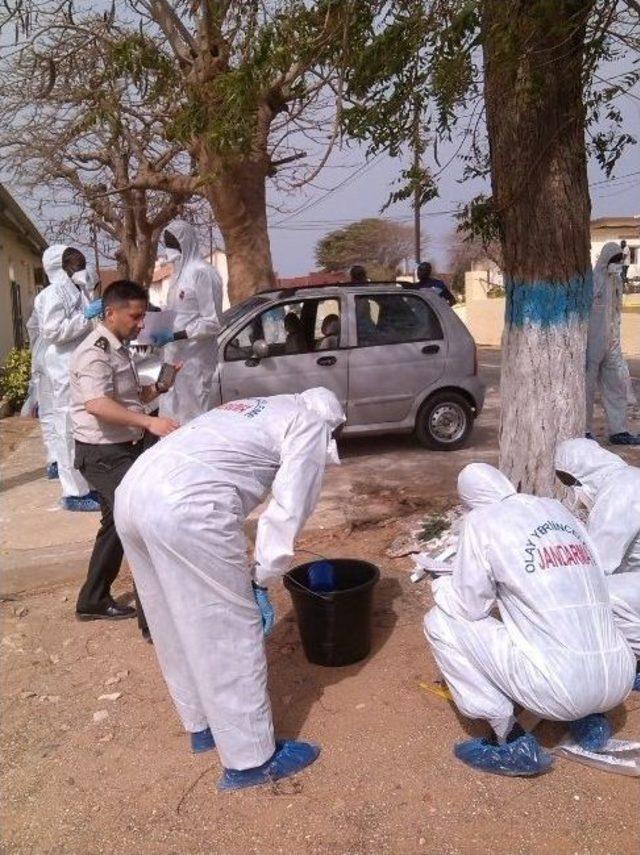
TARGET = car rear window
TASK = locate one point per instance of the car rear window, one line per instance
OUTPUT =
(395, 319)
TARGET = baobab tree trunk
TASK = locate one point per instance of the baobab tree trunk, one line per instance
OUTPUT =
(533, 57)
(136, 259)
(238, 200)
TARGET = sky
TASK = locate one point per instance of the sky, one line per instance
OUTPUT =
(352, 187)
(362, 187)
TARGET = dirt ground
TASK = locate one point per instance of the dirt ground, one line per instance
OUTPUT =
(386, 781)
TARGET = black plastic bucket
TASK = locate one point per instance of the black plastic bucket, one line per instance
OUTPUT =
(335, 626)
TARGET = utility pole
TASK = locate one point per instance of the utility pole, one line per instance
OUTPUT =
(416, 192)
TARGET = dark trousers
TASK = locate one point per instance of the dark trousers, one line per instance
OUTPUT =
(104, 467)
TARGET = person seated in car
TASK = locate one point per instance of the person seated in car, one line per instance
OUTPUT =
(295, 341)
(331, 333)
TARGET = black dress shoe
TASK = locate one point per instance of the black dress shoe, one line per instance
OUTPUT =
(110, 612)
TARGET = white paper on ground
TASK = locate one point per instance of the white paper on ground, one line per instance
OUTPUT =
(426, 564)
(618, 756)
(154, 322)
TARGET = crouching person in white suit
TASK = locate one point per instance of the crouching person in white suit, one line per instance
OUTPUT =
(555, 649)
(609, 488)
(180, 513)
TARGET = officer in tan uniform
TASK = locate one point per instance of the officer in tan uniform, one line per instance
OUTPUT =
(109, 424)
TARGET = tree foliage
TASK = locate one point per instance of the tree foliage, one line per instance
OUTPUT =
(236, 91)
(75, 133)
(427, 57)
(380, 245)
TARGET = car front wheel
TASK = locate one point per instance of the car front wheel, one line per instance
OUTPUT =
(444, 421)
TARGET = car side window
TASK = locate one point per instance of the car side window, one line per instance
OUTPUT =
(288, 329)
(395, 319)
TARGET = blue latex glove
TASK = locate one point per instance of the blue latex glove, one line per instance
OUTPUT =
(261, 596)
(161, 338)
(93, 309)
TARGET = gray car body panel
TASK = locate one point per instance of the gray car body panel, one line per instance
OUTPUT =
(418, 375)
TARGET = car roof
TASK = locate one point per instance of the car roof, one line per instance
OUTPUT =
(262, 298)
(350, 287)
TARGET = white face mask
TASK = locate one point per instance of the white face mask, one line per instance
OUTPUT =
(172, 254)
(81, 278)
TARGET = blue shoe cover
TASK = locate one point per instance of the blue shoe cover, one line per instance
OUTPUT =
(202, 741)
(524, 756)
(636, 683)
(290, 757)
(52, 471)
(80, 503)
(591, 732)
(321, 576)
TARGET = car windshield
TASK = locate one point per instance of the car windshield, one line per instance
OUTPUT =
(234, 313)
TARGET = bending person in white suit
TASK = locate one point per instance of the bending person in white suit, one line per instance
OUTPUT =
(180, 512)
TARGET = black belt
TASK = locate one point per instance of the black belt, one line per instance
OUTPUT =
(127, 444)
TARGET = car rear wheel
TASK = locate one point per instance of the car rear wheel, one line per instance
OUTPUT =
(444, 421)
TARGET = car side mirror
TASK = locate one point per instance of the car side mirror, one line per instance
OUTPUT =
(260, 348)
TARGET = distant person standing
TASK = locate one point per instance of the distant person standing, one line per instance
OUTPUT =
(606, 368)
(40, 402)
(428, 283)
(626, 261)
(195, 295)
(63, 324)
(358, 275)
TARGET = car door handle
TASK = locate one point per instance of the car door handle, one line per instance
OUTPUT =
(431, 348)
(326, 361)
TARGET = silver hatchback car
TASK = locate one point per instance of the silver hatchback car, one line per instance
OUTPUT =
(399, 359)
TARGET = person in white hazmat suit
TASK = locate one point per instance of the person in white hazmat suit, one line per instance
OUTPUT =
(606, 367)
(40, 400)
(60, 309)
(180, 512)
(610, 489)
(195, 294)
(555, 649)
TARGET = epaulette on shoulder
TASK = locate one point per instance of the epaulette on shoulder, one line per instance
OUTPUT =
(102, 343)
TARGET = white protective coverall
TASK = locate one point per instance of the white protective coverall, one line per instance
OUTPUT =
(556, 650)
(606, 366)
(63, 325)
(195, 294)
(611, 490)
(180, 512)
(40, 390)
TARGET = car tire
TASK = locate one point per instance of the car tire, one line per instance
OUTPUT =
(444, 421)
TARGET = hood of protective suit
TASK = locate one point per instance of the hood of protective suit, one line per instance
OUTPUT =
(187, 237)
(587, 461)
(480, 484)
(52, 262)
(608, 251)
(324, 404)
(601, 267)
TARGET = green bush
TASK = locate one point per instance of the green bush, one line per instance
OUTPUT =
(14, 377)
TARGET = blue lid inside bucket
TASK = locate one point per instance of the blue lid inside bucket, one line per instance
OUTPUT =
(321, 577)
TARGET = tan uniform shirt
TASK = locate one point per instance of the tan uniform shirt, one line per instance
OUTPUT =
(102, 367)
